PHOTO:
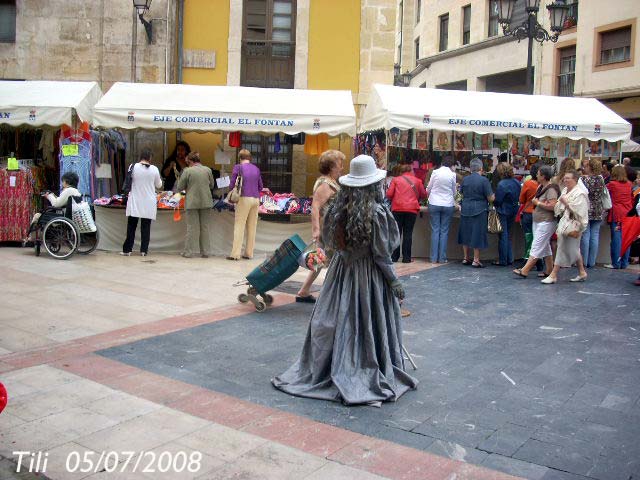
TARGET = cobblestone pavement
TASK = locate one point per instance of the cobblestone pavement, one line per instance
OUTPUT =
(104, 353)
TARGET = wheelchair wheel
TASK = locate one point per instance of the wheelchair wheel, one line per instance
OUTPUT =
(87, 242)
(60, 238)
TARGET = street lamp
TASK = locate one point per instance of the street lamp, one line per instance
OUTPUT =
(530, 28)
(401, 79)
(142, 6)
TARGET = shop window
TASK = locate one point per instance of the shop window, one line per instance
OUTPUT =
(615, 46)
(567, 71)
(418, 10)
(275, 166)
(466, 25)
(268, 60)
(417, 47)
(493, 18)
(268, 43)
(444, 32)
(7, 21)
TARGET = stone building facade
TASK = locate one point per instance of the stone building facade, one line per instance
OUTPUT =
(338, 44)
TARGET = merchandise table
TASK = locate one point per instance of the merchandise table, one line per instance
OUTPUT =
(168, 235)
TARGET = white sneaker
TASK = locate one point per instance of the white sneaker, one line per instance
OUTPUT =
(608, 265)
(125, 254)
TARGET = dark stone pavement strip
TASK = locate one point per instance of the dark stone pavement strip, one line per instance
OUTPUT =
(572, 350)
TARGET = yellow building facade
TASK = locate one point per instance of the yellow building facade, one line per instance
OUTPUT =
(332, 48)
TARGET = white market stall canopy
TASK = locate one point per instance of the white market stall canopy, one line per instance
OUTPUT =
(486, 112)
(39, 103)
(630, 147)
(223, 108)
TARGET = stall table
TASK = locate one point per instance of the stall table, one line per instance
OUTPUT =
(168, 235)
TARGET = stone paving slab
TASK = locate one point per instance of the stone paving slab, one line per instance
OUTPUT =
(549, 391)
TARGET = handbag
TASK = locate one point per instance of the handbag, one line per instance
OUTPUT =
(128, 178)
(493, 223)
(236, 192)
(606, 199)
(569, 226)
(82, 216)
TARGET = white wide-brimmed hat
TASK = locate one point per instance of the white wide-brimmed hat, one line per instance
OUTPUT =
(362, 172)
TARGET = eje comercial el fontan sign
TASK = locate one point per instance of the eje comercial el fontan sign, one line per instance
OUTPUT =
(521, 125)
(261, 122)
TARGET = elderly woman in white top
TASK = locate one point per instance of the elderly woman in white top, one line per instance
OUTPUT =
(142, 203)
(573, 207)
(442, 191)
(69, 182)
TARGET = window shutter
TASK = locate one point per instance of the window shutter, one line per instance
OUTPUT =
(616, 39)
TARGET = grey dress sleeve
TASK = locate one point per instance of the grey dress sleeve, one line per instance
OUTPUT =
(385, 238)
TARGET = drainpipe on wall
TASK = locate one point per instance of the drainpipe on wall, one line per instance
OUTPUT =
(180, 47)
(134, 47)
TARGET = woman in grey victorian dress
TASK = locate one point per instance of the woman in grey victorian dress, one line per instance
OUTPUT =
(353, 349)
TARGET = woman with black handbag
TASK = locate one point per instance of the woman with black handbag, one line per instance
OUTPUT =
(141, 203)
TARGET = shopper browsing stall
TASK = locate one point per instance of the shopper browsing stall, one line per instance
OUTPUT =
(442, 193)
(247, 208)
(142, 203)
(405, 193)
(476, 195)
(197, 180)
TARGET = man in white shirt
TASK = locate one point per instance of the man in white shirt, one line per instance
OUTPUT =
(442, 191)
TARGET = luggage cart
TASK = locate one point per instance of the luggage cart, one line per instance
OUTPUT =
(271, 273)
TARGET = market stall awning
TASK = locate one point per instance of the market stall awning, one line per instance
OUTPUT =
(485, 112)
(39, 103)
(223, 108)
(630, 146)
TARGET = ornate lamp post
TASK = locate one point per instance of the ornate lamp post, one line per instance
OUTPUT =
(530, 28)
(401, 79)
(142, 6)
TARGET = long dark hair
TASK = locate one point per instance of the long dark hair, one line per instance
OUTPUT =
(174, 155)
(350, 216)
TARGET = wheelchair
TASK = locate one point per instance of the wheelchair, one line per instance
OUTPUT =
(56, 231)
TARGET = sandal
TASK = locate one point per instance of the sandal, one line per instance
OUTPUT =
(307, 299)
(477, 265)
(466, 262)
(543, 275)
(519, 273)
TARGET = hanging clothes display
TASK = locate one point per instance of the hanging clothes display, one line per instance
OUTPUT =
(16, 191)
(316, 144)
(235, 139)
(81, 163)
(108, 151)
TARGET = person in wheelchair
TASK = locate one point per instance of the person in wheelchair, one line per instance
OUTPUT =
(69, 189)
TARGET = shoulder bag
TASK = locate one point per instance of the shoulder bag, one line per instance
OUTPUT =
(493, 223)
(606, 199)
(569, 225)
(413, 187)
(128, 178)
(236, 192)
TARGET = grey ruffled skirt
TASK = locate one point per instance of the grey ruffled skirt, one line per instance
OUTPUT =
(353, 349)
